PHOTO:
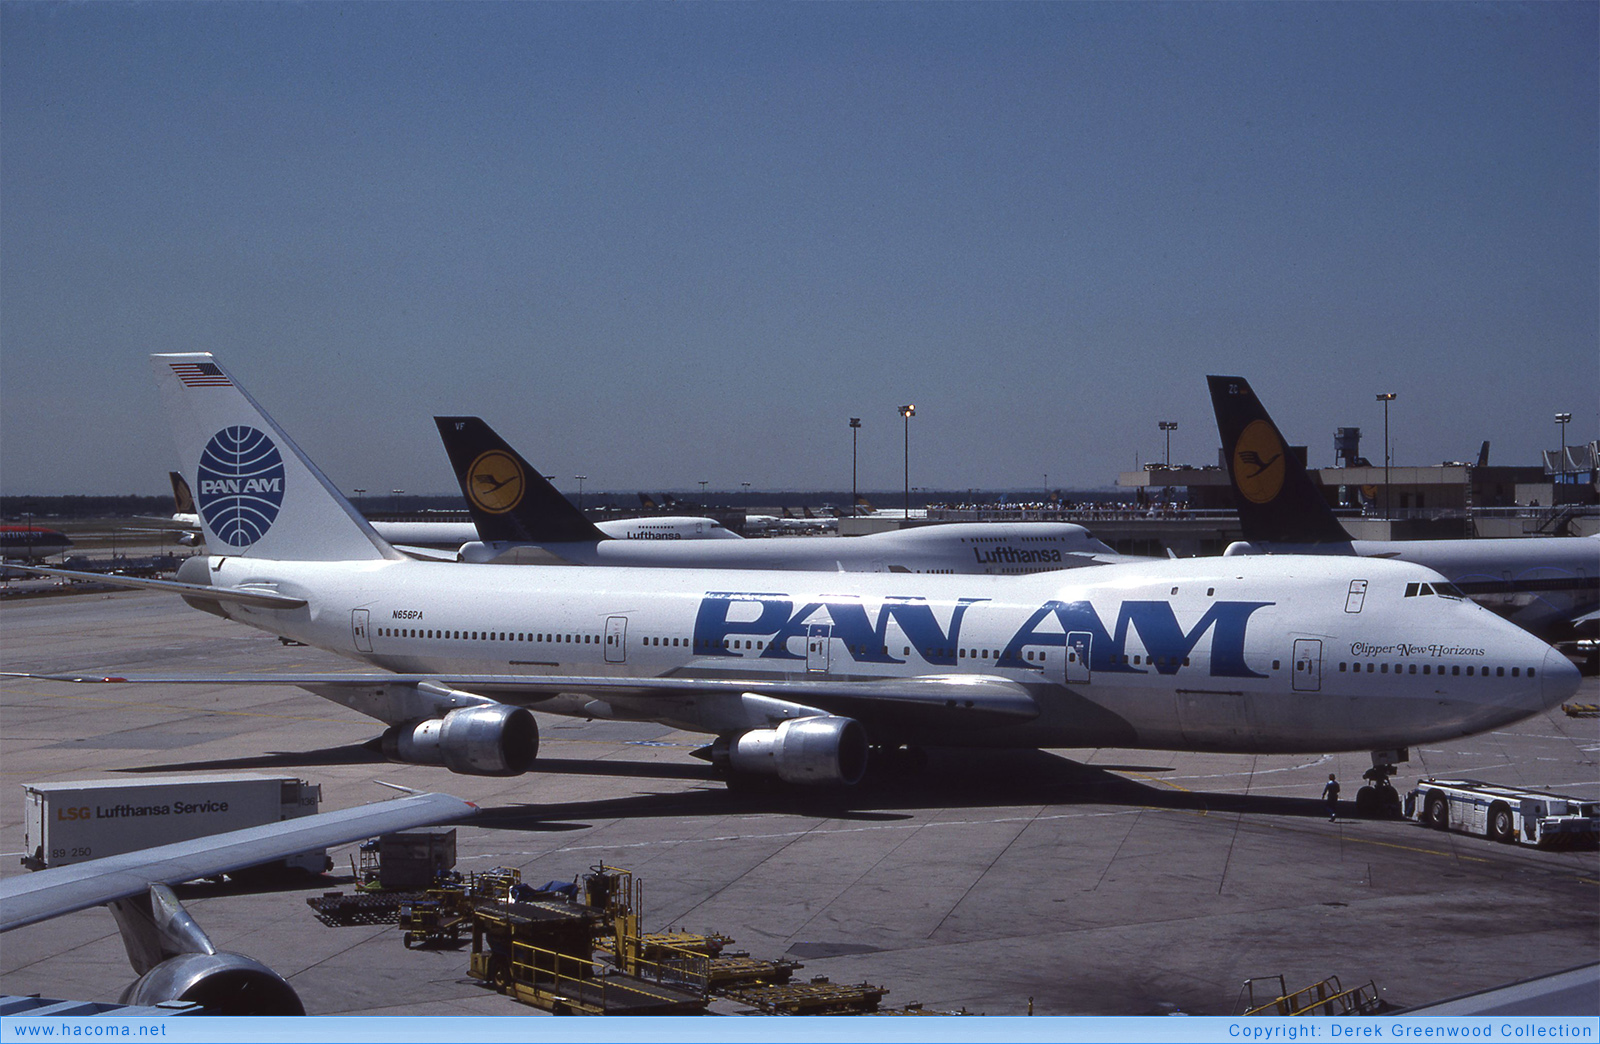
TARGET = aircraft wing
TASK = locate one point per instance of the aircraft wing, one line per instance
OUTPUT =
(975, 699)
(29, 898)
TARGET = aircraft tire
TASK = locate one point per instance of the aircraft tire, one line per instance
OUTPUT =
(1500, 828)
(1436, 812)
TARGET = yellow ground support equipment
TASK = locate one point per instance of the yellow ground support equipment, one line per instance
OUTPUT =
(817, 997)
(1327, 997)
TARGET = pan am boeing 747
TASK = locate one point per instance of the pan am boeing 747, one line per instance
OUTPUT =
(798, 675)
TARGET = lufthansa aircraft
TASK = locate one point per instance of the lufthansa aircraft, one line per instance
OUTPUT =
(421, 539)
(1548, 585)
(797, 675)
(522, 518)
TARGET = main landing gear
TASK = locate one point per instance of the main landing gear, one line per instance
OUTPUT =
(1378, 799)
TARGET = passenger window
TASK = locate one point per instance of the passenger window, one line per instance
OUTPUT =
(1499, 672)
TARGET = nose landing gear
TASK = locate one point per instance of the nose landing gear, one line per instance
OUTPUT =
(1378, 799)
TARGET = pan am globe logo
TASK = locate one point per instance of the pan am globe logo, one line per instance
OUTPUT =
(241, 485)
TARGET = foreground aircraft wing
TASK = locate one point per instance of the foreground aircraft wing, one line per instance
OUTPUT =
(28, 898)
(259, 597)
(975, 699)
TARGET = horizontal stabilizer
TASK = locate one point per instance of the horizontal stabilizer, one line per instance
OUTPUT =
(261, 599)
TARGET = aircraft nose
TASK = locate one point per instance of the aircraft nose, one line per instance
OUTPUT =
(1558, 679)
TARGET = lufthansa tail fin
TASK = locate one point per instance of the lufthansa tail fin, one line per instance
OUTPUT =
(508, 498)
(1278, 501)
(258, 495)
(182, 495)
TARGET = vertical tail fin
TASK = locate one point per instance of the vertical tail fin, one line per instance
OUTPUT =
(1277, 499)
(258, 495)
(182, 495)
(508, 498)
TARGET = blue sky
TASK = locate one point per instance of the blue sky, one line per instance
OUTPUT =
(655, 243)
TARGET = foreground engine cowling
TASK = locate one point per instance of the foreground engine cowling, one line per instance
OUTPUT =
(226, 983)
(495, 740)
(818, 750)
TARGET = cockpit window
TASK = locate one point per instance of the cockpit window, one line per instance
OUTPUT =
(1448, 590)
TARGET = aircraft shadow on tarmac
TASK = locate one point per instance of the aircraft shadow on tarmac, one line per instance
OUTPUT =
(951, 779)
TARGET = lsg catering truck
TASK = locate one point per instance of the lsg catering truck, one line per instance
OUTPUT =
(1504, 813)
(69, 822)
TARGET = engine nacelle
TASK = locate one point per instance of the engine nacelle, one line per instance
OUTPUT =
(226, 983)
(817, 750)
(492, 740)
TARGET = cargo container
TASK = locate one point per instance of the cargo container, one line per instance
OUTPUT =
(71, 821)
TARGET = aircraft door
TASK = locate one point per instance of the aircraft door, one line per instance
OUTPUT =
(360, 631)
(819, 642)
(616, 639)
(1307, 665)
(1356, 596)
(1079, 644)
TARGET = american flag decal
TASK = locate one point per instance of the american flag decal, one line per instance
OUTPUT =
(201, 375)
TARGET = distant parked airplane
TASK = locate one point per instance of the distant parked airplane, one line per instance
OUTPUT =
(1548, 585)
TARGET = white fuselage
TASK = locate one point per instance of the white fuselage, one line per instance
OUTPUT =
(454, 534)
(1256, 654)
(970, 548)
(1539, 583)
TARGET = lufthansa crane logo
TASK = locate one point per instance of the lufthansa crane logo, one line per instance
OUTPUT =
(1258, 463)
(495, 482)
(240, 488)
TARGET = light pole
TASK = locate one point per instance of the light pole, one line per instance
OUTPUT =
(855, 430)
(361, 504)
(1386, 398)
(1561, 457)
(1168, 427)
(703, 491)
(580, 479)
(397, 494)
(906, 413)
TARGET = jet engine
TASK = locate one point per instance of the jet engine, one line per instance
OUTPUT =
(225, 983)
(492, 740)
(823, 750)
